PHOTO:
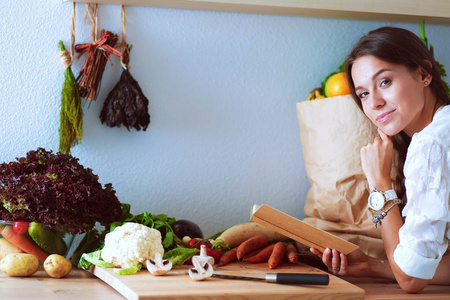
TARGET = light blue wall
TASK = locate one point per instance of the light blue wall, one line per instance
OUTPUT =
(222, 90)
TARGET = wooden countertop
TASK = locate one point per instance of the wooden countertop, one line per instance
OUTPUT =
(82, 285)
(78, 284)
(382, 289)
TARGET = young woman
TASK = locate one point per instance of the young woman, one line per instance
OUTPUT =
(396, 82)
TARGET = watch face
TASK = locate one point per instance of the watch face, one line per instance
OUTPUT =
(376, 201)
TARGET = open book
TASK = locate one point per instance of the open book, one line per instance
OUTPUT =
(298, 230)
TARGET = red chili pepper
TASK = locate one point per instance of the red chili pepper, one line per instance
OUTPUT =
(20, 226)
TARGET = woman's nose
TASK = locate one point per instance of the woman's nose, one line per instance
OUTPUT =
(376, 100)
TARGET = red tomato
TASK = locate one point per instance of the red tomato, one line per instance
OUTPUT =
(216, 254)
(197, 243)
(192, 243)
(20, 226)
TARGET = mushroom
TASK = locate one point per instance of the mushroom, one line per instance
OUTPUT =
(203, 258)
(159, 266)
(200, 271)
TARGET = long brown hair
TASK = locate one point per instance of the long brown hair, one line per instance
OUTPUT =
(397, 46)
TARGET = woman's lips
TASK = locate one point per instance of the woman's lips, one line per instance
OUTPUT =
(384, 116)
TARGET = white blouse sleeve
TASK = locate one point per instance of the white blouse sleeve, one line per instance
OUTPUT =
(424, 235)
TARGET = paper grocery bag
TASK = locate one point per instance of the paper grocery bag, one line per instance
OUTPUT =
(332, 132)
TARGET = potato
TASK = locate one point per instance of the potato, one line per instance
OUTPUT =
(7, 248)
(57, 266)
(19, 264)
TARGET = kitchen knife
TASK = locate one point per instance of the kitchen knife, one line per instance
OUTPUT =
(284, 278)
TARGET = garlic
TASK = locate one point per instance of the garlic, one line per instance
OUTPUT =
(200, 271)
(159, 266)
(203, 258)
(185, 240)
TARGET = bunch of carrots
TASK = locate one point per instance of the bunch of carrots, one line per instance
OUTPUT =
(257, 249)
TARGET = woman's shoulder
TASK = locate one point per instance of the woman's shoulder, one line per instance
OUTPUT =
(438, 130)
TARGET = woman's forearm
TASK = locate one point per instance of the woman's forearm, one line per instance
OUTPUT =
(441, 275)
(390, 227)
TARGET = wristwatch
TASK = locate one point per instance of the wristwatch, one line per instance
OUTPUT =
(378, 199)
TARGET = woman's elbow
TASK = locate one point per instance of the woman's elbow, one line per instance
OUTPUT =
(412, 285)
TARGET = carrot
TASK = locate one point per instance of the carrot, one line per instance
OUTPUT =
(252, 243)
(228, 257)
(23, 242)
(259, 255)
(291, 253)
(278, 253)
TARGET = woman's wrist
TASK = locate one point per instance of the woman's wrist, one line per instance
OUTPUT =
(382, 185)
(380, 268)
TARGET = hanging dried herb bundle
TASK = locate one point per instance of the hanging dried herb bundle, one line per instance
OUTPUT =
(71, 120)
(126, 104)
(97, 55)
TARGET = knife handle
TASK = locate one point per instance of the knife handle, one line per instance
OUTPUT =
(296, 278)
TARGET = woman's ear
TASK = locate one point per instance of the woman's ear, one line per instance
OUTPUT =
(424, 74)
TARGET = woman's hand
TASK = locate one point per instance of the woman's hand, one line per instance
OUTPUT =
(354, 264)
(376, 160)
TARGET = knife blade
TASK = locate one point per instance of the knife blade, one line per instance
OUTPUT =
(283, 278)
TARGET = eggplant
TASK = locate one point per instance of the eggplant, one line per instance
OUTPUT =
(183, 228)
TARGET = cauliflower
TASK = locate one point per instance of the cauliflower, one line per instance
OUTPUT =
(131, 244)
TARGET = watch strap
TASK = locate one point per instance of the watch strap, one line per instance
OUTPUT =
(390, 194)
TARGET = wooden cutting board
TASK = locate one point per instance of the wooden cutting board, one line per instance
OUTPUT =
(178, 285)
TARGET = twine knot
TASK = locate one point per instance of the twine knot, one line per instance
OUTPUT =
(65, 59)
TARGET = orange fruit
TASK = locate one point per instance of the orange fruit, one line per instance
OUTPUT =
(337, 85)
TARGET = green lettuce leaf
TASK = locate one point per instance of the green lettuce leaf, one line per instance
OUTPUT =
(128, 271)
(93, 258)
(179, 256)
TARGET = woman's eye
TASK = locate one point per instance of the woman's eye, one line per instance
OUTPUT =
(385, 82)
(363, 95)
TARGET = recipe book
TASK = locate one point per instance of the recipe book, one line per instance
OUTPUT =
(299, 230)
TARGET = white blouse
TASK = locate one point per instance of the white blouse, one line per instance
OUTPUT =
(425, 235)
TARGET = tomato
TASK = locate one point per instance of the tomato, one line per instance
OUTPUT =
(197, 243)
(20, 226)
(191, 243)
(189, 261)
(216, 254)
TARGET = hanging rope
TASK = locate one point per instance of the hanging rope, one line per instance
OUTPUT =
(125, 49)
(65, 58)
(92, 14)
(72, 32)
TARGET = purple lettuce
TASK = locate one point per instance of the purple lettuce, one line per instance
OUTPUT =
(57, 191)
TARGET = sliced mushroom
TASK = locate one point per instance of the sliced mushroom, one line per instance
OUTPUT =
(203, 258)
(200, 271)
(159, 266)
